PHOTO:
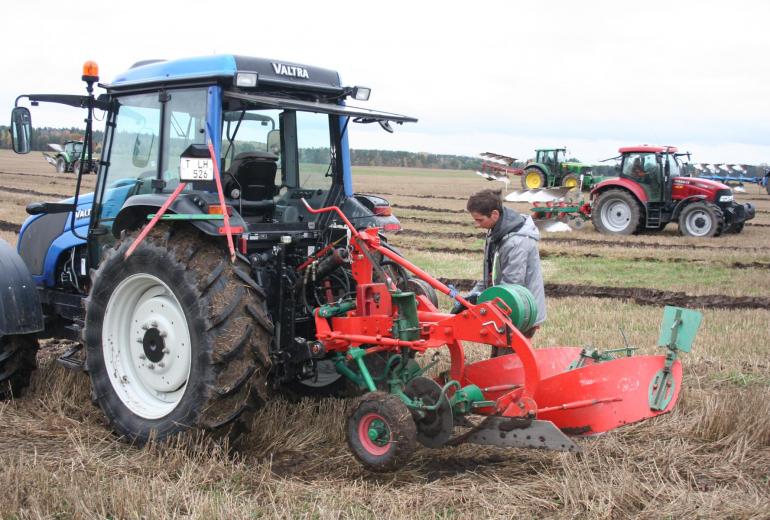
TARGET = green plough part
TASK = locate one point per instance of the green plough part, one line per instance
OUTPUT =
(677, 333)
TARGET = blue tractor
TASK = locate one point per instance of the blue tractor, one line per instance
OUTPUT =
(189, 276)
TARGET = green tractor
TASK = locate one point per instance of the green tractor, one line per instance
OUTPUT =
(549, 169)
(68, 157)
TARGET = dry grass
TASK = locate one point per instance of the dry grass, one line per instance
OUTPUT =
(710, 458)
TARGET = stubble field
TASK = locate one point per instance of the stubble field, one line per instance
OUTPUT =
(709, 458)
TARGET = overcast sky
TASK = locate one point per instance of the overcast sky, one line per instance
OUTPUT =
(505, 77)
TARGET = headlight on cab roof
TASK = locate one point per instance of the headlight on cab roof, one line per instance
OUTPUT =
(726, 198)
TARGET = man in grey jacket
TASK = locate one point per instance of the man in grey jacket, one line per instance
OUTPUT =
(510, 250)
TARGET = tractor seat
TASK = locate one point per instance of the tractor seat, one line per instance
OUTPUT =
(254, 175)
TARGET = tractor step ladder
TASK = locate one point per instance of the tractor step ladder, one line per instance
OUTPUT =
(653, 216)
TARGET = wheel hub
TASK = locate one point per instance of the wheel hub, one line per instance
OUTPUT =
(378, 432)
(699, 223)
(153, 345)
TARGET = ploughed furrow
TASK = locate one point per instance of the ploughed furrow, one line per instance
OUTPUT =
(428, 208)
(422, 220)
(437, 197)
(639, 295)
(569, 240)
(22, 174)
(9, 226)
(544, 253)
(32, 192)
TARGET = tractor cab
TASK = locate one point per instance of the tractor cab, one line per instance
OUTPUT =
(551, 157)
(652, 168)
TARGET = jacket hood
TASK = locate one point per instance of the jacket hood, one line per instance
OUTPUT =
(510, 221)
(529, 229)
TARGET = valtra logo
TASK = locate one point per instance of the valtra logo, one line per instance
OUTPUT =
(290, 70)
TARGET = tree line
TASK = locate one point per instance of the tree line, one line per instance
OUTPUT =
(42, 137)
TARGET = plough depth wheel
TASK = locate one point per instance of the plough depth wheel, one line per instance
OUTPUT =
(381, 432)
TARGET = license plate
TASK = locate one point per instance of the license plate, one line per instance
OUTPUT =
(191, 169)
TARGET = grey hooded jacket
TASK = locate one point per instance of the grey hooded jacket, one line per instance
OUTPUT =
(511, 256)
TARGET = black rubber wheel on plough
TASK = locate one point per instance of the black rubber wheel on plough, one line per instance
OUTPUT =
(17, 362)
(381, 432)
(177, 338)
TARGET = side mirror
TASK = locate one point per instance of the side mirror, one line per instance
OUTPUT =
(274, 142)
(142, 149)
(21, 130)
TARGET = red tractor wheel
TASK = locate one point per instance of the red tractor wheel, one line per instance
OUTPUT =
(701, 219)
(616, 212)
(381, 432)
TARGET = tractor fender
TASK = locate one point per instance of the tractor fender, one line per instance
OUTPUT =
(133, 214)
(626, 184)
(540, 166)
(680, 205)
(20, 310)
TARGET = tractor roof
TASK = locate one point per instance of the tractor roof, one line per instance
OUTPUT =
(648, 148)
(550, 149)
(223, 68)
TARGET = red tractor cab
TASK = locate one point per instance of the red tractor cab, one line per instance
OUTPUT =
(651, 191)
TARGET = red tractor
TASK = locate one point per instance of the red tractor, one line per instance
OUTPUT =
(650, 192)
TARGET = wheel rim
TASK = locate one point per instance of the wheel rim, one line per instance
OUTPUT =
(374, 434)
(699, 222)
(570, 182)
(146, 346)
(616, 215)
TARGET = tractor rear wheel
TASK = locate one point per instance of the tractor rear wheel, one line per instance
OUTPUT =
(17, 362)
(177, 337)
(616, 212)
(61, 165)
(533, 178)
(381, 432)
(701, 219)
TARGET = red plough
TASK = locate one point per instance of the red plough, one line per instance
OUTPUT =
(524, 398)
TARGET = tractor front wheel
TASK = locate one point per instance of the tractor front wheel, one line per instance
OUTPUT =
(177, 337)
(616, 212)
(381, 432)
(61, 165)
(570, 181)
(701, 219)
(17, 362)
(532, 179)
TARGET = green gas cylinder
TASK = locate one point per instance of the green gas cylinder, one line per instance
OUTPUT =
(519, 299)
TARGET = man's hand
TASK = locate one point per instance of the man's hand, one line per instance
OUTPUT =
(472, 297)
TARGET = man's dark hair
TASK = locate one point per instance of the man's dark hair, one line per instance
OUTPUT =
(485, 201)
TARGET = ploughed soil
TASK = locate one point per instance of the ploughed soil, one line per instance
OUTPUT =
(565, 240)
(640, 295)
